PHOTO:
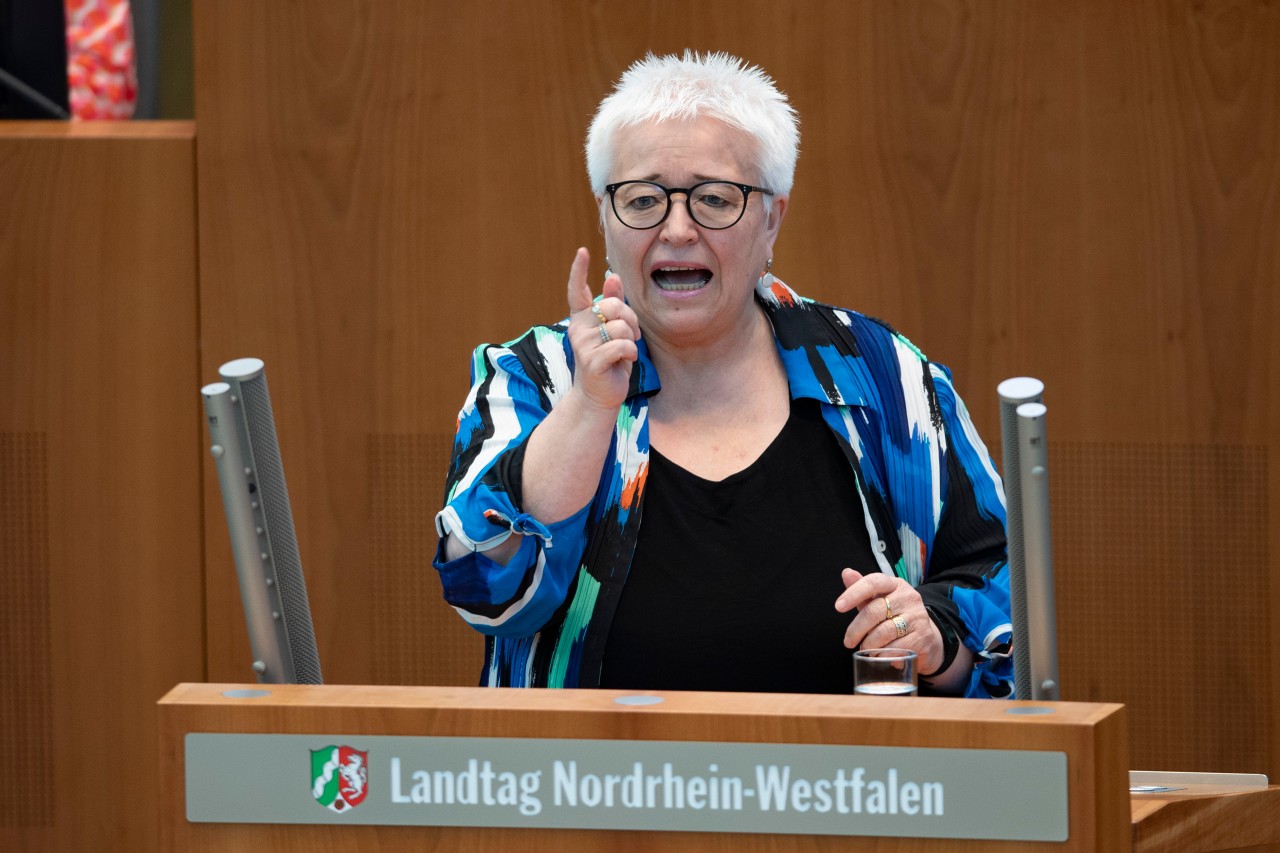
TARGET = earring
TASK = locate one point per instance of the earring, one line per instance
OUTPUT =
(766, 278)
(608, 267)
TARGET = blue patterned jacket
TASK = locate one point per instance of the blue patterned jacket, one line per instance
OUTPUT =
(932, 500)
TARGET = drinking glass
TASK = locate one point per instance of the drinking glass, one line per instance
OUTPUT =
(885, 672)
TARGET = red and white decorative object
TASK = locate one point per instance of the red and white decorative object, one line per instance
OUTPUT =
(101, 64)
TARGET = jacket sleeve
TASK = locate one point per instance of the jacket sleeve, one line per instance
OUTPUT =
(966, 582)
(513, 387)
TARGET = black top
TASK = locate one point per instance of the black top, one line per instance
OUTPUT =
(733, 584)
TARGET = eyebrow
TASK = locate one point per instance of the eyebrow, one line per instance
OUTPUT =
(697, 179)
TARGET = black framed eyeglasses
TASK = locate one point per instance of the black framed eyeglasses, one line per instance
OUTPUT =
(712, 204)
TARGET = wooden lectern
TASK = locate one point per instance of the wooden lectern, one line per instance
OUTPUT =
(1092, 737)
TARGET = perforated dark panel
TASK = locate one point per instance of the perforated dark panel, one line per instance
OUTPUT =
(26, 736)
(418, 638)
(284, 539)
(1161, 570)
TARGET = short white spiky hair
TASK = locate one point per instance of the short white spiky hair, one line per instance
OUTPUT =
(683, 88)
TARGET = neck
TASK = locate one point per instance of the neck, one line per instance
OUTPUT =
(737, 364)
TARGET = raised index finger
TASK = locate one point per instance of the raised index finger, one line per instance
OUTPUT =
(579, 290)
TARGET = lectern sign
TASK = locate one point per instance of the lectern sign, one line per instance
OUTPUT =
(810, 789)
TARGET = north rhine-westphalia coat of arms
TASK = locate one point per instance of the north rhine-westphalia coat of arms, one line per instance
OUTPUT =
(339, 777)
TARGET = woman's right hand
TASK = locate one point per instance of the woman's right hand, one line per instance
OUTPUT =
(563, 458)
(602, 373)
(565, 452)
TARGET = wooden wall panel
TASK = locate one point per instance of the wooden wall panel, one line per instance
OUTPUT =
(101, 605)
(1085, 192)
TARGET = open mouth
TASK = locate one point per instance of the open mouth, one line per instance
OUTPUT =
(680, 279)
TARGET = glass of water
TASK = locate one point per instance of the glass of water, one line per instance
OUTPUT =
(885, 672)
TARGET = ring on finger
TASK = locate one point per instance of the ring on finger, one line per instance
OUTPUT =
(900, 625)
(599, 312)
(888, 609)
(604, 333)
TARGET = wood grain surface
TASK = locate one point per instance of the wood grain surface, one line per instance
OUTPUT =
(1086, 192)
(100, 566)
(1207, 817)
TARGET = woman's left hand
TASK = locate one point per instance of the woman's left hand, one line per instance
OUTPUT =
(902, 623)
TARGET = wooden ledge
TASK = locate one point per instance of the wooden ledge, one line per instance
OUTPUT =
(1206, 817)
(97, 129)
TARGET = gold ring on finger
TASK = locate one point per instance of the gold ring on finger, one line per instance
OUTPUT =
(888, 609)
(600, 318)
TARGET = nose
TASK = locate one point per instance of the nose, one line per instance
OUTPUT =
(678, 229)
